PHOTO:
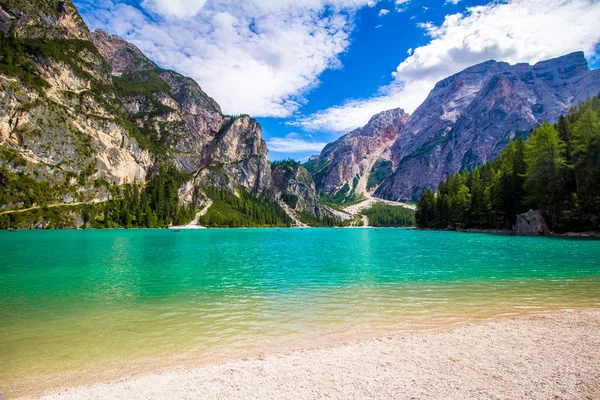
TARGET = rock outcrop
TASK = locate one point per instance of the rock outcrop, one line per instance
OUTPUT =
(237, 157)
(468, 118)
(531, 223)
(360, 160)
(297, 188)
(177, 119)
(60, 118)
(185, 124)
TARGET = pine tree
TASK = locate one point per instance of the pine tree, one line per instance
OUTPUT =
(546, 169)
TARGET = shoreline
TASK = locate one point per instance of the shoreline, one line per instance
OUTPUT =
(508, 232)
(582, 235)
(415, 363)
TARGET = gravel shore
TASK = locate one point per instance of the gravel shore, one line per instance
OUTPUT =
(544, 356)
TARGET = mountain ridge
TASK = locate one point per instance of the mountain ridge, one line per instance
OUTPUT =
(465, 121)
(88, 119)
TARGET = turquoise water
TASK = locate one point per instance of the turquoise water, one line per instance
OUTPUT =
(75, 301)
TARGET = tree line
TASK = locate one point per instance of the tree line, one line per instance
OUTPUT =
(556, 171)
(242, 209)
(386, 215)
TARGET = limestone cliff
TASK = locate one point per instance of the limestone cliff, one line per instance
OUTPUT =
(297, 188)
(82, 114)
(237, 157)
(358, 161)
(184, 124)
(60, 119)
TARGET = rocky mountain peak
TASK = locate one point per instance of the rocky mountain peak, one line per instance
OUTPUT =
(468, 118)
(297, 188)
(123, 57)
(565, 66)
(395, 116)
(357, 162)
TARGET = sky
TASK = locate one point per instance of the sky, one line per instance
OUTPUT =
(312, 70)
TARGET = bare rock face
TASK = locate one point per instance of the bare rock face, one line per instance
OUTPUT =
(354, 163)
(531, 223)
(468, 118)
(123, 57)
(50, 19)
(238, 157)
(60, 118)
(172, 111)
(297, 188)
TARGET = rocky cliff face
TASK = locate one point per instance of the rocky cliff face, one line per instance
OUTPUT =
(51, 19)
(469, 117)
(237, 157)
(297, 188)
(359, 161)
(60, 119)
(176, 118)
(83, 110)
(184, 124)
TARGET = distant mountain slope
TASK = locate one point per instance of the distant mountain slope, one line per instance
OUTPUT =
(357, 162)
(469, 117)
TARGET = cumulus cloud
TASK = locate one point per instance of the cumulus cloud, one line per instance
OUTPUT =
(512, 31)
(294, 144)
(454, 2)
(175, 8)
(258, 57)
(383, 12)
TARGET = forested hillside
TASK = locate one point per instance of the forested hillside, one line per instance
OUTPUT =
(388, 216)
(557, 171)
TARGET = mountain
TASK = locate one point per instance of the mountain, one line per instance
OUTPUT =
(358, 161)
(468, 118)
(297, 188)
(86, 118)
(60, 119)
(179, 122)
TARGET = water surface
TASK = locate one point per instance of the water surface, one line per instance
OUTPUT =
(81, 301)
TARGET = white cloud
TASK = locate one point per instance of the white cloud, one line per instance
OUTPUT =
(293, 143)
(409, 51)
(454, 2)
(258, 57)
(175, 8)
(383, 12)
(401, 5)
(513, 31)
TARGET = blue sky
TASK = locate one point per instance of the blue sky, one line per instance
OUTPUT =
(311, 70)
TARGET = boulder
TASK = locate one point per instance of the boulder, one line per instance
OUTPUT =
(531, 223)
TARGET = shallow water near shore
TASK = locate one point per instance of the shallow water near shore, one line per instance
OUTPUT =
(75, 301)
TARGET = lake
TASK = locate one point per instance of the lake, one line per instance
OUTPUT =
(110, 302)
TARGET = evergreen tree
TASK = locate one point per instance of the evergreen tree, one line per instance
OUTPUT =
(546, 169)
(586, 158)
(425, 215)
